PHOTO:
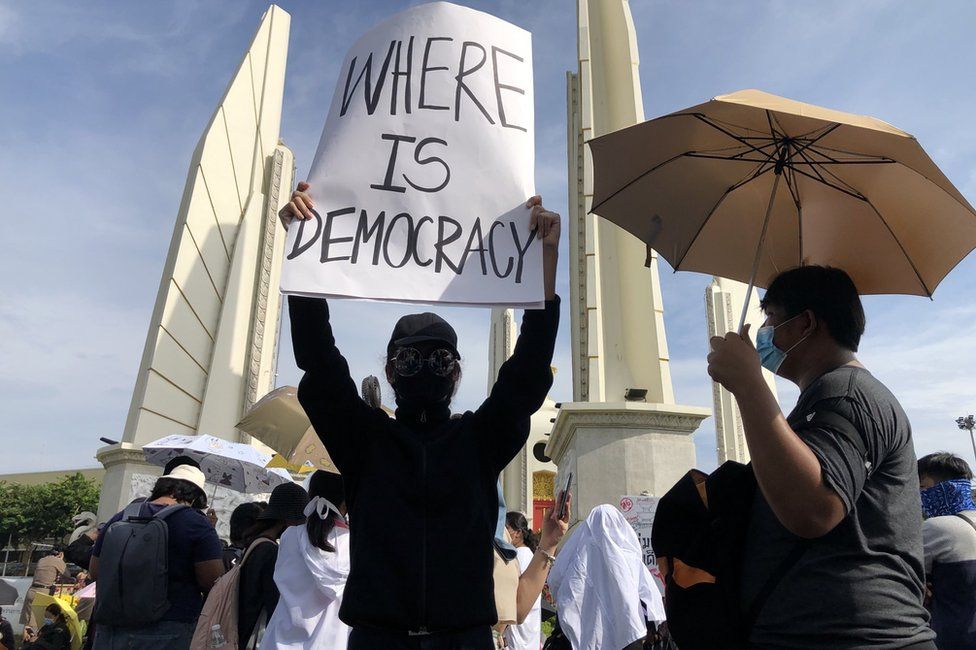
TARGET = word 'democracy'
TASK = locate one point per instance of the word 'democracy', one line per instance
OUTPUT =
(424, 167)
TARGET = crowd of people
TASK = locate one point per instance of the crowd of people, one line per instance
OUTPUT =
(409, 546)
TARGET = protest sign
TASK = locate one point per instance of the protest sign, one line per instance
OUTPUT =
(424, 167)
(639, 512)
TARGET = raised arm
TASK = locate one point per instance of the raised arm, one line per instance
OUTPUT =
(790, 474)
(525, 379)
(327, 391)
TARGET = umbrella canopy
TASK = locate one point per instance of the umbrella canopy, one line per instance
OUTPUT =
(236, 466)
(711, 186)
(8, 593)
(279, 421)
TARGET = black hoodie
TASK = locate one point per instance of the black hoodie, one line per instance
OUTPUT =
(420, 487)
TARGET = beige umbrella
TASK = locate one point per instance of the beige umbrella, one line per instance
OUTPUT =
(279, 421)
(751, 184)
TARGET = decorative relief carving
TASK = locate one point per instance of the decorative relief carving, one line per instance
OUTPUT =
(270, 221)
(543, 485)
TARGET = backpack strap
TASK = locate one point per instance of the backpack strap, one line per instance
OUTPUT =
(169, 510)
(966, 519)
(133, 511)
(257, 542)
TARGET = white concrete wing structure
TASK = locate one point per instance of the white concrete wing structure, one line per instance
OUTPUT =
(210, 350)
(527, 482)
(723, 308)
(623, 434)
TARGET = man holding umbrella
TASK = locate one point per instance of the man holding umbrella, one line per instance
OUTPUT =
(837, 515)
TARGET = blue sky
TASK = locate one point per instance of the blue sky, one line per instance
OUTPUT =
(104, 102)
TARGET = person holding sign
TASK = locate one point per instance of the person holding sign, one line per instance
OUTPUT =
(420, 486)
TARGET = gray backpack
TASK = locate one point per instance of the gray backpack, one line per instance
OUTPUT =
(133, 569)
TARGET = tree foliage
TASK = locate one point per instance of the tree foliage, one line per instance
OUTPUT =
(37, 512)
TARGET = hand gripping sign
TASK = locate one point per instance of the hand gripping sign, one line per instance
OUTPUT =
(424, 167)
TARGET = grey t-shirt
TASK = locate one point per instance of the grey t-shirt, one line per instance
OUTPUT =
(861, 584)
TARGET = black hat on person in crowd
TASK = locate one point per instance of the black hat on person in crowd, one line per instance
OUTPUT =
(421, 328)
(287, 502)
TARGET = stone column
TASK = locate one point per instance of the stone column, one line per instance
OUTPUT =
(621, 448)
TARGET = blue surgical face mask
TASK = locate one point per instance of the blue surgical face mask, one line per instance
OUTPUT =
(48, 621)
(770, 356)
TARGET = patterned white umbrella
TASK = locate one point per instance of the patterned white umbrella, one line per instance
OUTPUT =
(236, 466)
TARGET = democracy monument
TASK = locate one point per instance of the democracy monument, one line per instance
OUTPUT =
(212, 344)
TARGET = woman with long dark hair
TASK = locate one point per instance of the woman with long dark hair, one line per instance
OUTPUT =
(307, 615)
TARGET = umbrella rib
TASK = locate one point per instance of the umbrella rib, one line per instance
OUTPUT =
(778, 135)
(725, 131)
(891, 232)
(809, 134)
(813, 167)
(914, 171)
(695, 154)
(908, 257)
(747, 179)
(653, 169)
(859, 157)
(830, 185)
(841, 181)
(795, 194)
(817, 139)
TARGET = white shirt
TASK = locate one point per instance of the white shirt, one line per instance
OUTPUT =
(602, 586)
(528, 635)
(311, 582)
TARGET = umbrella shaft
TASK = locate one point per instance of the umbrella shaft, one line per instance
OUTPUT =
(759, 251)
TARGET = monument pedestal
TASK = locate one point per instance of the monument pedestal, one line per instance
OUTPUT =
(125, 468)
(614, 449)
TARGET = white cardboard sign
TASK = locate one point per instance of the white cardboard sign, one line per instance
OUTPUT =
(424, 167)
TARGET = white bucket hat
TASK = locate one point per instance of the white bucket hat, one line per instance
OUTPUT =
(190, 474)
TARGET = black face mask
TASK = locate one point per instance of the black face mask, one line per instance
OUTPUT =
(423, 389)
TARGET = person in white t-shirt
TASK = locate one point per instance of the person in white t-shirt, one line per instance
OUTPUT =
(535, 555)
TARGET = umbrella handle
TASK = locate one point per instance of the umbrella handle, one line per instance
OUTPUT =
(759, 250)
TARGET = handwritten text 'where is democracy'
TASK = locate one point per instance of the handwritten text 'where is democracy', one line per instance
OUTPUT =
(402, 81)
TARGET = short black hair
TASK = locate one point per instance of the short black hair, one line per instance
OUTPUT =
(182, 491)
(826, 291)
(243, 519)
(179, 460)
(943, 466)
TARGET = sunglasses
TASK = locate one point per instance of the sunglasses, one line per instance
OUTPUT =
(407, 362)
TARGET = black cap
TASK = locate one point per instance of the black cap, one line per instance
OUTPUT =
(287, 502)
(420, 328)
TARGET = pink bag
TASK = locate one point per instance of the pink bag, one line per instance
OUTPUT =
(220, 608)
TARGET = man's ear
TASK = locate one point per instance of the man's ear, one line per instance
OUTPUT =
(812, 324)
